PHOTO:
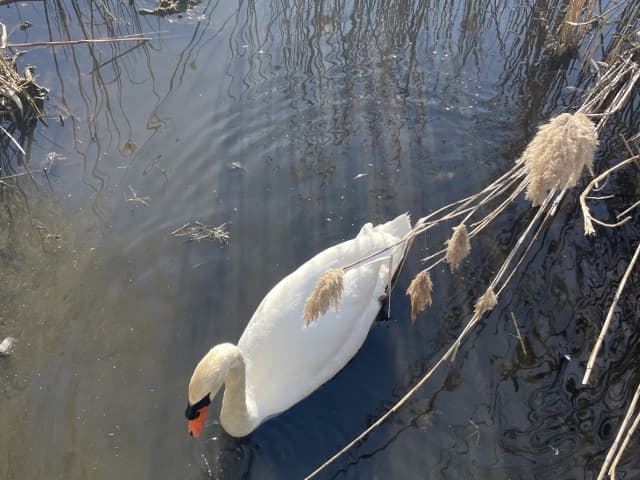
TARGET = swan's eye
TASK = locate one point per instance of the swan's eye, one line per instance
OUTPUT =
(193, 411)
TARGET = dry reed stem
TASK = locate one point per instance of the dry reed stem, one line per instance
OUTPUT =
(589, 219)
(419, 292)
(623, 447)
(462, 206)
(604, 469)
(327, 293)
(501, 187)
(554, 202)
(13, 140)
(458, 247)
(605, 326)
(56, 43)
(3, 38)
(626, 211)
(558, 153)
(621, 78)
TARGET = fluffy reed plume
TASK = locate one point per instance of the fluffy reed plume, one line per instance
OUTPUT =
(458, 247)
(327, 293)
(485, 303)
(419, 291)
(557, 154)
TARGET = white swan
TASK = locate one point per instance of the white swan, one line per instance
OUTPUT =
(278, 361)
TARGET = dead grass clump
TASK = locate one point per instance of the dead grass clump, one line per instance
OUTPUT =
(21, 98)
(327, 293)
(194, 232)
(558, 153)
(458, 247)
(419, 292)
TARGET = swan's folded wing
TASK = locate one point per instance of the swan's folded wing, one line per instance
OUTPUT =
(286, 361)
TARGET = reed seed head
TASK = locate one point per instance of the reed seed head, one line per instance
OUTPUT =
(458, 247)
(419, 292)
(485, 303)
(327, 293)
(558, 153)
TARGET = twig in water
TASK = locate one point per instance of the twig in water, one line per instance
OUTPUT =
(136, 199)
(6, 346)
(476, 431)
(518, 334)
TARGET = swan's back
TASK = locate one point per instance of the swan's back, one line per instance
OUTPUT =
(286, 361)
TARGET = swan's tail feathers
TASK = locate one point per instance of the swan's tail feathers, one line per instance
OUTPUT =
(398, 227)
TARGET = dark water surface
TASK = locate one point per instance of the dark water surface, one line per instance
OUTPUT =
(265, 115)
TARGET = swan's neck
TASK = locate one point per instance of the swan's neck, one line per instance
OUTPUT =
(238, 415)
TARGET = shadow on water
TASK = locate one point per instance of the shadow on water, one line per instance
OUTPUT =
(295, 123)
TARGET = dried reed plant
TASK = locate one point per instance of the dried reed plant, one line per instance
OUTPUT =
(458, 246)
(558, 153)
(419, 292)
(486, 302)
(553, 173)
(326, 294)
(573, 27)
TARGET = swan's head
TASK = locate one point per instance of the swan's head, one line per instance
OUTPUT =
(206, 380)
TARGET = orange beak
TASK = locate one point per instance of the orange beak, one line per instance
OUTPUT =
(196, 425)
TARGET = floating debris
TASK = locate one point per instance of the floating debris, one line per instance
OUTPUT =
(197, 231)
(169, 7)
(137, 199)
(6, 346)
(236, 167)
